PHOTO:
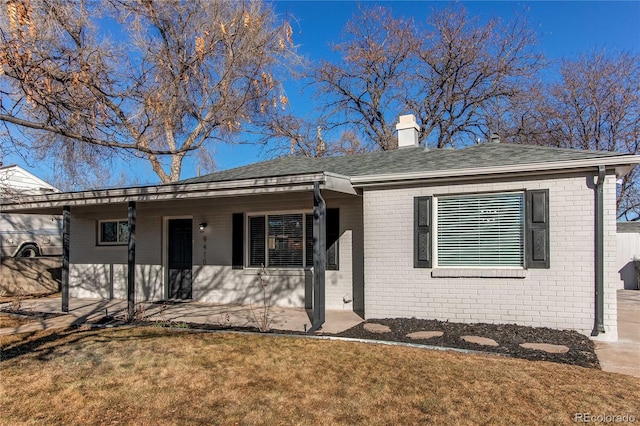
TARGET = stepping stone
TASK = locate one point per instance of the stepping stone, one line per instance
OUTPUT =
(485, 341)
(546, 347)
(376, 328)
(424, 334)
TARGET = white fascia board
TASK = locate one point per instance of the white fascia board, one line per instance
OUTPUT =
(622, 164)
(166, 192)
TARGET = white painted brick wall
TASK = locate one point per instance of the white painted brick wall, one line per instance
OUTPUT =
(561, 297)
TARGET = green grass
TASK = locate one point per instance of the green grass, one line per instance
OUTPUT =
(158, 376)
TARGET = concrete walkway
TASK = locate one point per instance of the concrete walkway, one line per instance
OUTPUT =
(623, 356)
(92, 310)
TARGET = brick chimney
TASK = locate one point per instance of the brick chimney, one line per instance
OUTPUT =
(407, 131)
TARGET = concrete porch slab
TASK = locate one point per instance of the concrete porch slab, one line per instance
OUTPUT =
(83, 310)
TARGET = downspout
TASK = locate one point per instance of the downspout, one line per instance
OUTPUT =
(319, 257)
(598, 326)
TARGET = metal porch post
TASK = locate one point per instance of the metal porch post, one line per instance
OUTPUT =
(131, 262)
(319, 257)
(66, 231)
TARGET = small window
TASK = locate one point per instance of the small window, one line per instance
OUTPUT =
(481, 230)
(113, 232)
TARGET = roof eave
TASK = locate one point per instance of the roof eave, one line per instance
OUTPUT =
(621, 164)
(244, 187)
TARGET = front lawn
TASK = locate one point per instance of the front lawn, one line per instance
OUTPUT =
(8, 320)
(154, 376)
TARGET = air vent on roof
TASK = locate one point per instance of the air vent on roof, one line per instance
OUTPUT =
(495, 138)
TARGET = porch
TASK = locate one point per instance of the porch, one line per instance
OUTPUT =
(82, 310)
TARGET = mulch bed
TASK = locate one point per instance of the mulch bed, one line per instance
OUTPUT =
(508, 336)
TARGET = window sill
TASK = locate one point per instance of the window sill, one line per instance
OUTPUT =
(294, 271)
(478, 273)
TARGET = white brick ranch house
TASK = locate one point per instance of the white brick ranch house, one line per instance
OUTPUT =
(493, 232)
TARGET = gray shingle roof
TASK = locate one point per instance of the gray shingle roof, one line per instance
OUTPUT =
(406, 160)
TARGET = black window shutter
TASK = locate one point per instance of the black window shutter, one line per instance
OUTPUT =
(537, 254)
(237, 241)
(257, 229)
(422, 232)
(309, 240)
(333, 235)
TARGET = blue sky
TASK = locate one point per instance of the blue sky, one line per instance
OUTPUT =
(565, 29)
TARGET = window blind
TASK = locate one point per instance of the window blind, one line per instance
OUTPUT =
(481, 230)
(285, 239)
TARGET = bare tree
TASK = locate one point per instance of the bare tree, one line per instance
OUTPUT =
(463, 68)
(446, 73)
(156, 79)
(596, 106)
(288, 134)
(376, 53)
(593, 105)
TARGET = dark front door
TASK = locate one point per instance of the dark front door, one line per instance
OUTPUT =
(180, 261)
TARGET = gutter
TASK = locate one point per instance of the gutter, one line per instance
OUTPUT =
(598, 326)
(451, 174)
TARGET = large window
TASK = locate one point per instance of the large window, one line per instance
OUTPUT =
(277, 240)
(286, 240)
(481, 230)
(113, 232)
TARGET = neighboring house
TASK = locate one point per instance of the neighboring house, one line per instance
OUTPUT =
(628, 245)
(493, 233)
(24, 235)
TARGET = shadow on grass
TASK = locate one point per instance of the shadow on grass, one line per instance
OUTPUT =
(26, 297)
(43, 344)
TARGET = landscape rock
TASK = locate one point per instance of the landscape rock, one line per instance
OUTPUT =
(376, 328)
(552, 349)
(485, 341)
(424, 334)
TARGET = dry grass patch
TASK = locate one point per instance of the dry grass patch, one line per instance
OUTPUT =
(157, 376)
(7, 320)
(7, 298)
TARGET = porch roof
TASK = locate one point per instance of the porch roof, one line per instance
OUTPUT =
(50, 203)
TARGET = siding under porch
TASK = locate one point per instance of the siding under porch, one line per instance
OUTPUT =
(101, 271)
